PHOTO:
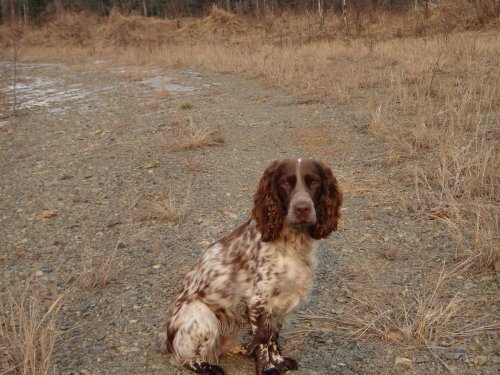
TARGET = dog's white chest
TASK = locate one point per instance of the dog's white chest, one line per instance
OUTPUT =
(292, 285)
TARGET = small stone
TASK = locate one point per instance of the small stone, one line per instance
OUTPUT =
(156, 266)
(470, 285)
(132, 321)
(82, 307)
(114, 221)
(131, 293)
(420, 358)
(39, 273)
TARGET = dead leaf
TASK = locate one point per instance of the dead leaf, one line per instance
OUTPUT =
(47, 214)
(394, 336)
(403, 361)
(151, 165)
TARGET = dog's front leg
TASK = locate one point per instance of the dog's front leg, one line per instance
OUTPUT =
(262, 330)
(283, 364)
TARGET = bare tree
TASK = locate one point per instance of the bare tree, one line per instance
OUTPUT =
(321, 12)
(344, 15)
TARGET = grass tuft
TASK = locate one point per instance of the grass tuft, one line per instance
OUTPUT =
(99, 268)
(28, 330)
(162, 208)
(186, 106)
(191, 136)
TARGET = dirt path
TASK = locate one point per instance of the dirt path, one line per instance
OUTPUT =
(91, 151)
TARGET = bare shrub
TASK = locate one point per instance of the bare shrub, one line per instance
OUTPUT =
(11, 39)
(28, 330)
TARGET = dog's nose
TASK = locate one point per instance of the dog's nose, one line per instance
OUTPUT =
(302, 208)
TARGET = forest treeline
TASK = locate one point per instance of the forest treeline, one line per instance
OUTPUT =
(40, 10)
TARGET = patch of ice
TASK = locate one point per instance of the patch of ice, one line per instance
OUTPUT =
(35, 92)
(163, 83)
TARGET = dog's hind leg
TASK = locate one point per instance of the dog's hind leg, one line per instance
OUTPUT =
(196, 344)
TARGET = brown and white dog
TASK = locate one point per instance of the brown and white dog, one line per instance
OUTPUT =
(261, 271)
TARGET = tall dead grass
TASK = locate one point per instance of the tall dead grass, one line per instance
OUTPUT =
(440, 115)
(422, 315)
(28, 330)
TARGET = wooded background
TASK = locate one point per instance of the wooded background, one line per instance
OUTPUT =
(39, 10)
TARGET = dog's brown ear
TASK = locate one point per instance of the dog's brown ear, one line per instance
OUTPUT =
(328, 207)
(268, 210)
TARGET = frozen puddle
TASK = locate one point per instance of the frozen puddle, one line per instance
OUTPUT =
(56, 95)
(163, 83)
(35, 92)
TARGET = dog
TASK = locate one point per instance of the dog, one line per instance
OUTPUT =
(257, 274)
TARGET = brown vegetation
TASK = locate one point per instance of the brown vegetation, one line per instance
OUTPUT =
(28, 329)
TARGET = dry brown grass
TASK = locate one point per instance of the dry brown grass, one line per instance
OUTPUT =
(424, 315)
(190, 136)
(28, 330)
(99, 266)
(166, 208)
(193, 163)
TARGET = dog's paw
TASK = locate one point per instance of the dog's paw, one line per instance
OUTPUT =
(208, 369)
(286, 364)
(271, 371)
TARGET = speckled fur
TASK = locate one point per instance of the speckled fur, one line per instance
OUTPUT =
(245, 277)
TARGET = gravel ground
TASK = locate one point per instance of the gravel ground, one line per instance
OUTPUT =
(89, 176)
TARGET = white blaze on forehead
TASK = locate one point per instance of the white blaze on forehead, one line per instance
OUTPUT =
(299, 180)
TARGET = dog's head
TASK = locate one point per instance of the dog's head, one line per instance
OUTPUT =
(304, 194)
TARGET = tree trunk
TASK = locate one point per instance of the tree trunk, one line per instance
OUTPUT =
(344, 14)
(12, 10)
